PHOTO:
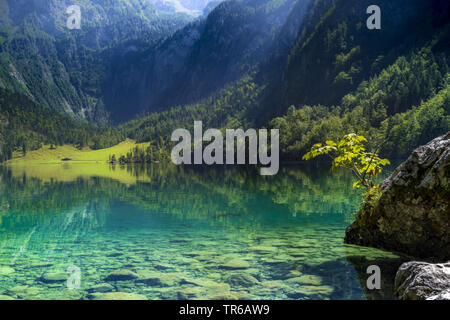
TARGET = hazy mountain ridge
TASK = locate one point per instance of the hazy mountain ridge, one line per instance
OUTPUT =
(113, 67)
(199, 59)
(192, 7)
(64, 69)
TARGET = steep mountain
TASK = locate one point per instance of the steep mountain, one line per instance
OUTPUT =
(197, 60)
(309, 68)
(25, 126)
(331, 75)
(334, 50)
(121, 62)
(64, 69)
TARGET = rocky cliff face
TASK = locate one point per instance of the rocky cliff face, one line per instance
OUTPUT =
(413, 213)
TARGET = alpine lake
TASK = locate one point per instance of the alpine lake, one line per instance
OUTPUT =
(160, 231)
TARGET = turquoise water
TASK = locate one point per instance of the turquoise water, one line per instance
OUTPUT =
(166, 232)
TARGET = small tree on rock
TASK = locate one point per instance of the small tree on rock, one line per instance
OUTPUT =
(350, 153)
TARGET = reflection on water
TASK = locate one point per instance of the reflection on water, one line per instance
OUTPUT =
(166, 232)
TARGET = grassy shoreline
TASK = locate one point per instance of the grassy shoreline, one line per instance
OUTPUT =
(46, 155)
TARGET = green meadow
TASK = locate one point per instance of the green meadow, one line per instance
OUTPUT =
(46, 154)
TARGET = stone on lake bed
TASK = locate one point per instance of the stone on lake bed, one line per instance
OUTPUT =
(180, 240)
(39, 265)
(121, 275)
(217, 288)
(198, 282)
(200, 253)
(305, 279)
(263, 249)
(235, 264)
(119, 296)
(162, 266)
(23, 291)
(187, 261)
(4, 270)
(190, 293)
(301, 244)
(114, 254)
(221, 296)
(61, 294)
(272, 261)
(243, 280)
(314, 290)
(275, 243)
(294, 273)
(54, 277)
(160, 279)
(102, 288)
(274, 285)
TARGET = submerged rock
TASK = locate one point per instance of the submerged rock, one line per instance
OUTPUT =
(311, 291)
(189, 293)
(101, 288)
(54, 277)
(39, 265)
(305, 280)
(23, 292)
(413, 213)
(243, 280)
(235, 264)
(118, 296)
(159, 279)
(6, 270)
(263, 249)
(221, 296)
(121, 275)
(421, 280)
(274, 285)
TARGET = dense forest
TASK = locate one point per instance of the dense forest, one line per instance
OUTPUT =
(318, 72)
(26, 126)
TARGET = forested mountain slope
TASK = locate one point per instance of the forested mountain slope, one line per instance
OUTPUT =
(197, 60)
(388, 87)
(334, 50)
(309, 68)
(64, 69)
(125, 60)
(25, 126)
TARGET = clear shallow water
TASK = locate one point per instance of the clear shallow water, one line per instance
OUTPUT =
(178, 233)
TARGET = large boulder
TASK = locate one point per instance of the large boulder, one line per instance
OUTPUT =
(413, 213)
(421, 281)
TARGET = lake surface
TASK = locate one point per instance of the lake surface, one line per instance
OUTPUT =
(166, 232)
